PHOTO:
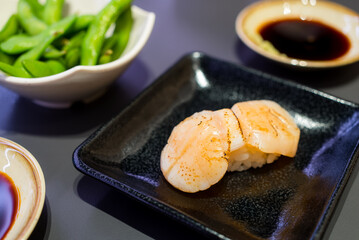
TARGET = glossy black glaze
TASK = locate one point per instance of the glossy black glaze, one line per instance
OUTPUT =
(289, 199)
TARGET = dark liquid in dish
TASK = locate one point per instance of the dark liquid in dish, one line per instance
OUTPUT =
(9, 202)
(307, 40)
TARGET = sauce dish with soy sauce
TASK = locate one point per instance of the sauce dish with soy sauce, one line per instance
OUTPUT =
(302, 33)
(22, 191)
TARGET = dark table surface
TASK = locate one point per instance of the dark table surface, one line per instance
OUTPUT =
(79, 207)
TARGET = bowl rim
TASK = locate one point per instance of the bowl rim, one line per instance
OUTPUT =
(28, 228)
(245, 12)
(124, 59)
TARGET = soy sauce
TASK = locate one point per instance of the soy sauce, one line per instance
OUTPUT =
(9, 202)
(307, 40)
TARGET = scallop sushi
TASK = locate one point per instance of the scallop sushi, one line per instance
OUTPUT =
(204, 146)
(268, 131)
(197, 152)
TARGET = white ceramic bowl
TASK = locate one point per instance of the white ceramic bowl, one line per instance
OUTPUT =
(251, 18)
(22, 167)
(81, 83)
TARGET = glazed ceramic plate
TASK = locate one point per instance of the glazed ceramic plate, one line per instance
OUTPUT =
(293, 198)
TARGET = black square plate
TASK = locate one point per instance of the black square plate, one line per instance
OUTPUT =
(293, 198)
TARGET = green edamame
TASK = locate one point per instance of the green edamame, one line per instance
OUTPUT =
(72, 58)
(106, 57)
(109, 43)
(52, 12)
(10, 28)
(75, 41)
(107, 48)
(53, 33)
(92, 44)
(28, 19)
(53, 53)
(116, 43)
(36, 52)
(36, 7)
(20, 43)
(6, 58)
(82, 22)
(14, 71)
(38, 68)
(55, 66)
(123, 29)
(38, 42)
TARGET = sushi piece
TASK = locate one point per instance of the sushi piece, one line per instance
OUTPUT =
(197, 152)
(204, 146)
(268, 131)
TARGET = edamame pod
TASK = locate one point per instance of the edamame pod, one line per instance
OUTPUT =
(36, 7)
(116, 44)
(14, 71)
(36, 52)
(75, 41)
(123, 29)
(53, 53)
(108, 44)
(72, 58)
(92, 44)
(52, 11)
(82, 22)
(28, 19)
(20, 43)
(55, 66)
(106, 57)
(55, 32)
(6, 58)
(10, 28)
(37, 68)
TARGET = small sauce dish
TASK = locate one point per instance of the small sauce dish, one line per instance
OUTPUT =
(24, 173)
(312, 29)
